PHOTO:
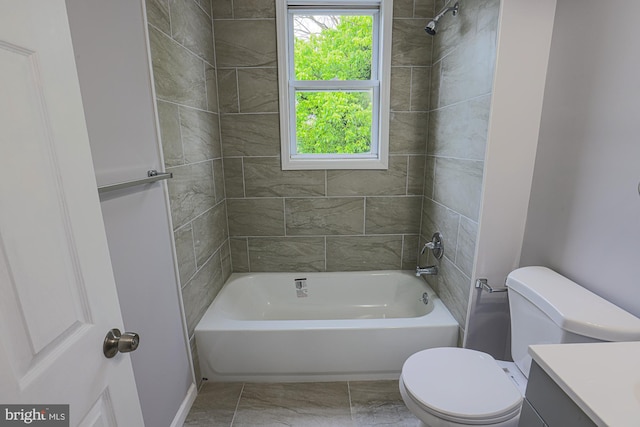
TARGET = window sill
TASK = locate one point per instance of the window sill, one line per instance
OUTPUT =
(322, 162)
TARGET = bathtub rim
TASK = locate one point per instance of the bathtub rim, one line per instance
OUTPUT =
(215, 320)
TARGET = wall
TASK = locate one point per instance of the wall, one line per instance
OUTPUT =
(317, 220)
(125, 144)
(524, 37)
(584, 212)
(464, 51)
(182, 51)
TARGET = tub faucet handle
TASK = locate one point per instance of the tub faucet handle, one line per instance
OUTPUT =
(436, 245)
(429, 245)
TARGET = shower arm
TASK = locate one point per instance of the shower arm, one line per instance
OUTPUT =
(453, 9)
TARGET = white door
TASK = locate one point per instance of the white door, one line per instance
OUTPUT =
(57, 293)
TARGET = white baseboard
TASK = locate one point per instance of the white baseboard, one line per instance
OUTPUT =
(183, 411)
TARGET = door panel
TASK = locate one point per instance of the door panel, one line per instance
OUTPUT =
(58, 292)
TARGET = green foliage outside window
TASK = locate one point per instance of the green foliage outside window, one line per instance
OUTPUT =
(334, 121)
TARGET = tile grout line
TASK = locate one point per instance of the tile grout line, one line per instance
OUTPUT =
(237, 89)
(351, 412)
(248, 257)
(325, 253)
(235, 411)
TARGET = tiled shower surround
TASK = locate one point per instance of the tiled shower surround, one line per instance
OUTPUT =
(234, 209)
(183, 60)
(461, 84)
(321, 220)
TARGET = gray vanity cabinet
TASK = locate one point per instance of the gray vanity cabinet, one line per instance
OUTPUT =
(547, 405)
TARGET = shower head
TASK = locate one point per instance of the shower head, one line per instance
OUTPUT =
(431, 26)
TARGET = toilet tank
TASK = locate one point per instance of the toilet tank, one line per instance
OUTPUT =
(547, 308)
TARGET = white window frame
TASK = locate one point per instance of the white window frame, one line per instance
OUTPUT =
(382, 11)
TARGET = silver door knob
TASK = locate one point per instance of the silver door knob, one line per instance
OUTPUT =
(115, 342)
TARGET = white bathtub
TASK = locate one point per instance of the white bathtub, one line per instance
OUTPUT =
(327, 327)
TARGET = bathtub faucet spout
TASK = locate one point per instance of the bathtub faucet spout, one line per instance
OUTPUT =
(430, 270)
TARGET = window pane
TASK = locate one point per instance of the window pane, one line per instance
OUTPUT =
(331, 122)
(332, 47)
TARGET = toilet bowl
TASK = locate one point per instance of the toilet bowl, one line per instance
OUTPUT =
(456, 387)
(451, 387)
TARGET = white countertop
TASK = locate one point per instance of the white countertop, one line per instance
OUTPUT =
(603, 379)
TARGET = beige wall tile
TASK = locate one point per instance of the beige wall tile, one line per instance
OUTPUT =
(233, 177)
(436, 217)
(212, 88)
(258, 90)
(458, 185)
(415, 180)
(420, 88)
(468, 71)
(200, 135)
(250, 134)
(178, 74)
(218, 180)
(298, 254)
(389, 182)
(158, 14)
(205, 5)
(434, 86)
(453, 289)
(243, 9)
(460, 130)
(466, 247)
(408, 132)
(429, 175)
(239, 254)
(320, 216)
(354, 253)
(425, 9)
(410, 251)
(393, 215)
(264, 177)
(228, 90)
(185, 253)
(225, 260)
(410, 47)
(475, 17)
(256, 217)
(250, 43)
(209, 232)
(222, 9)
(198, 294)
(169, 120)
(200, 291)
(400, 88)
(191, 192)
(403, 9)
(191, 27)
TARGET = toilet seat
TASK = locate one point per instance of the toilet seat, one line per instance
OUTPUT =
(460, 385)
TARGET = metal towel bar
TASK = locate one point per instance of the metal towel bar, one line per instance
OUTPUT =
(152, 176)
(483, 284)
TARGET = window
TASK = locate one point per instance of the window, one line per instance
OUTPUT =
(334, 67)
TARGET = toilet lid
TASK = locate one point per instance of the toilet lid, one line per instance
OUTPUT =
(460, 384)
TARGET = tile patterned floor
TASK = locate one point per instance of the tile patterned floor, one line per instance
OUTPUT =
(333, 404)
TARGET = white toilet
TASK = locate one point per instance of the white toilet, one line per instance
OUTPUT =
(455, 387)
